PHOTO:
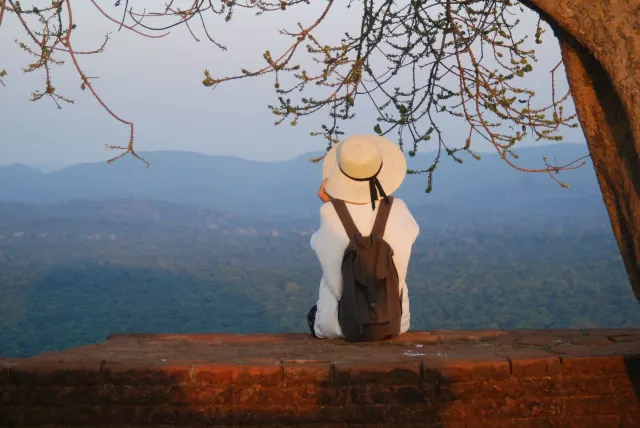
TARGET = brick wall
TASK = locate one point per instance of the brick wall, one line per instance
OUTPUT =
(460, 383)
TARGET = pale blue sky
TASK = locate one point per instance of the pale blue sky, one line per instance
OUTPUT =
(157, 83)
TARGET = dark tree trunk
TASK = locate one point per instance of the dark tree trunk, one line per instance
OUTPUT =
(600, 45)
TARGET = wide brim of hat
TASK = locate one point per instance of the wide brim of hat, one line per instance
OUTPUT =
(391, 175)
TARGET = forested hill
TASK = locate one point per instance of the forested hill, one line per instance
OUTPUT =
(73, 272)
(212, 244)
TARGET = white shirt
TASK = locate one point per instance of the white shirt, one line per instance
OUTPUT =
(330, 242)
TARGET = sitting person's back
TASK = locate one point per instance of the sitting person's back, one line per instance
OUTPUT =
(364, 197)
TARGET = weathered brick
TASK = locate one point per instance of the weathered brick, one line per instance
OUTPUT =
(429, 413)
(212, 374)
(307, 373)
(571, 386)
(360, 394)
(416, 338)
(174, 415)
(624, 338)
(369, 414)
(432, 424)
(505, 340)
(125, 374)
(215, 415)
(256, 374)
(594, 421)
(379, 373)
(603, 405)
(256, 396)
(531, 362)
(35, 415)
(447, 336)
(609, 331)
(574, 422)
(394, 394)
(79, 415)
(501, 423)
(5, 368)
(334, 395)
(280, 415)
(13, 395)
(613, 384)
(459, 385)
(140, 395)
(293, 414)
(584, 365)
(521, 408)
(537, 387)
(51, 396)
(629, 421)
(566, 348)
(117, 415)
(463, 369)
(540, 340)
(632, 367)
(52, 373)
(459, 410)
(90, 394)
(494, 409)
(595, 340)
(480, 389)
(205, 395)
(168, 415)
(10, 416)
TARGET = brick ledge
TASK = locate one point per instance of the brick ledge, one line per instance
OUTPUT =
(463, 379)
(433, 348)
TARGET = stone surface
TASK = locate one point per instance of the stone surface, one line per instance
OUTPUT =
(440, 379)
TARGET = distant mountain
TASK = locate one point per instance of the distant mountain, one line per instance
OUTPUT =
(48, 167)
(230, 183)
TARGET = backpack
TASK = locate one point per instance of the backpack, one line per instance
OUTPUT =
(370, 307)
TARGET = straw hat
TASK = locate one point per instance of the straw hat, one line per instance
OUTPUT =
(363, 168)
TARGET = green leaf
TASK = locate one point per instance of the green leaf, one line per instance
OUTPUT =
(377, 129)
(402, 109)
(527, 68)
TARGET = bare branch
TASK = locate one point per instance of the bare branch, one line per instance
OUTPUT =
(122, 24)
(415, 62)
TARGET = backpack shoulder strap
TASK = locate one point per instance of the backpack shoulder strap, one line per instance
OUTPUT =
(381, 218)
(346, 219)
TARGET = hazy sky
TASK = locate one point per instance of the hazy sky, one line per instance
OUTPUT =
(157, 83)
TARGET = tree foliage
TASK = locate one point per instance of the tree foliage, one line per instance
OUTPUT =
(415, 61)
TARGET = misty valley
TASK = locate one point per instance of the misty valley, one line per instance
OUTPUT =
(495, 250)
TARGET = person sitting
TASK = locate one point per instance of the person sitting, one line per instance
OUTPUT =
(364, 242)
